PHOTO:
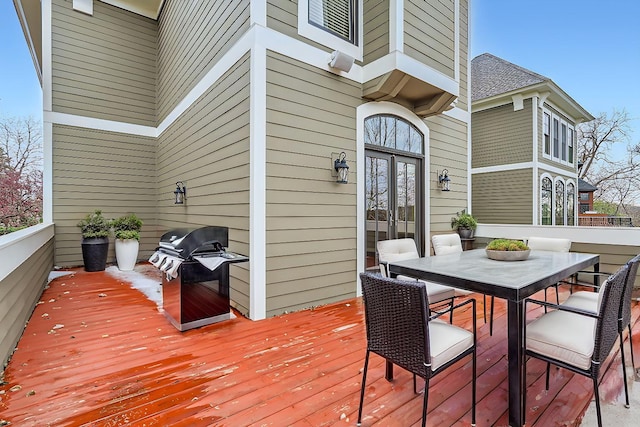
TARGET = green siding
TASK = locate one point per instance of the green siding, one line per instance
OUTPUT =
(19, 293)
(110, 171)
(193, 36)
(103, 66)
(376, 30)
(429, 33)
(311, 220)
(463, 99)
(611, 257)
(448, 150)
(503, 197)
(207, 148)
(502, 136)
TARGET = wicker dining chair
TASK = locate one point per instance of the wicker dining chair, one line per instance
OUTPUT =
(400, 330)
(587, 300)
(575, 339)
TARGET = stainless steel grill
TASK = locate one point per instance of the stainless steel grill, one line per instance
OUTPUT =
(195, 283)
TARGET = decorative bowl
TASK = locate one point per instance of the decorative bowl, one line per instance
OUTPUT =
(508, 255)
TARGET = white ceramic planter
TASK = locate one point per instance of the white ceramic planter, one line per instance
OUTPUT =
(127, 253)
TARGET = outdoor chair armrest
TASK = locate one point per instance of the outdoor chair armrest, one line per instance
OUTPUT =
(453, 307)
(563, 308)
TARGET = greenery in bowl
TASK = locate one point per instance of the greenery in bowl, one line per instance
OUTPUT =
(507, 245)
(127, 227)
(463, 220)
(95, 225)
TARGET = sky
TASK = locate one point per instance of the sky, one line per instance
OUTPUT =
(590, 48)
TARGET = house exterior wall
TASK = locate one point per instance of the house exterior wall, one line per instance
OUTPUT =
(448, 150)
(311, 220)
(545, 161)
(502, 136)
(103, 66)
(207, 148)
(429, 33)
(192, 37)
(503, 197)
(376, 30)
(93, 169)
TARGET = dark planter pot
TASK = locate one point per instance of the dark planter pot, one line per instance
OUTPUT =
(94, 253)
(465, 233)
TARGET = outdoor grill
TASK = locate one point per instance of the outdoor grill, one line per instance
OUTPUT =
(195, 280)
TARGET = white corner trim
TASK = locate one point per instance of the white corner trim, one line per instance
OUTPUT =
(100, 124)
(258, 13)
(18, 246)
(84, 6)
(396, 25)
(258, 178)
(47, 171)
(536, 146)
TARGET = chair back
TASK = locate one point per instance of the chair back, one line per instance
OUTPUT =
(608, 314)
(395, 250)
(444, 244)
(396, 319)
(549, 244)
(625, 309)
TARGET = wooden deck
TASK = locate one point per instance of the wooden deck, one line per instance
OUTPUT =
(98, 353)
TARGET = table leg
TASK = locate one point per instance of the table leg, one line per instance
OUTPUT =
(515, 322)
(388, 373)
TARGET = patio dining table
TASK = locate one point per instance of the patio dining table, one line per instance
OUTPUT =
(511, 280)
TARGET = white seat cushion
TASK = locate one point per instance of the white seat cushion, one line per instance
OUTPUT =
(446, 342)
(564, 336)
(583, 300)
(435, 291)
(444, 244)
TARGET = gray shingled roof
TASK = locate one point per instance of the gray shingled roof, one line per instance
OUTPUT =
(492, 76)
(585, 187)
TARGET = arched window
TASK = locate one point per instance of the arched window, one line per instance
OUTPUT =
(560, 204)
(545, 201)
(393, 132)
(571, 203)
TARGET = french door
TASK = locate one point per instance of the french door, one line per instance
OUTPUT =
(393, 202)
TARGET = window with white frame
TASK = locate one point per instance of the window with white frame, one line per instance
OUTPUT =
(571, 203)
(559, 139)
(546, 195)
(336, 24)
(559, 203)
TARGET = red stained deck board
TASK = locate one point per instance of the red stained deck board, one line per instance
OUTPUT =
(97, 352)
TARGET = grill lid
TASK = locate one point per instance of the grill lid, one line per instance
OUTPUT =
(185, 242)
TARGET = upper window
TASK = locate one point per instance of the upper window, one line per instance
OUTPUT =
(336, 16)
(336, 24)
(558, 139)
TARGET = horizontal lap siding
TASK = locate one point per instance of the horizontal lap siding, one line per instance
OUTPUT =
(503, 197)
(282, 16)
(104, 66)
(376, 29)
(207, 148)
(193, 36)
(311, 220)
(110, 171)
(502, 136)
(448, 150)
(463, 99)
(19, 294)
(612, 257)
(429, 33)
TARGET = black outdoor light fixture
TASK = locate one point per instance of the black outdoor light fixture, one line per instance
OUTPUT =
(444, 180)
(342, 169)
(180, 193)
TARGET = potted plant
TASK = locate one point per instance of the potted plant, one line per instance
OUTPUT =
(127, 233)
(507, 250)
(464, 223)
(95, 230)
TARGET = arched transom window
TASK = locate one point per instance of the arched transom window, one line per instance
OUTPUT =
(393, 132)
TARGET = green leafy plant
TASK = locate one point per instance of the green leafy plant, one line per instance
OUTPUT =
(463, 220)
(127, 227)
(95, 225)
(507, 245)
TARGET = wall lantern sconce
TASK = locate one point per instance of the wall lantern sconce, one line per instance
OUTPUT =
(341, 167)
(444, 180)
(180, 193)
